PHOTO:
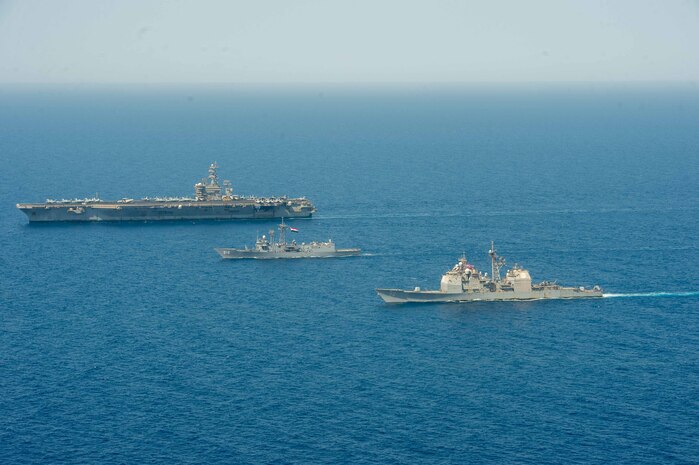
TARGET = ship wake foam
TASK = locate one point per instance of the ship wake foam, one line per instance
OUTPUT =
(653, 294)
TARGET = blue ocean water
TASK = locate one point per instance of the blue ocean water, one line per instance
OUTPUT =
(135, 343)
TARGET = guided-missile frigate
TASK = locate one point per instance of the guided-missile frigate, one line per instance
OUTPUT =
(464, 283)
(210, 202)
(266, 248)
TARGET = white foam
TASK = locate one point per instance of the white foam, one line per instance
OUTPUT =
(654, 294)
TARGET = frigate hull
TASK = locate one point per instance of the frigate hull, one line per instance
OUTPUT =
(260, 255)
(161, 211)
(403, 296)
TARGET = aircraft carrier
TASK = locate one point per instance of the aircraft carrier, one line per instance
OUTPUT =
(210, 202)
(464, 283)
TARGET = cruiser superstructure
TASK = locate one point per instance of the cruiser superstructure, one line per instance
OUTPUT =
(464, 283)
(211, 201)
(266, 247)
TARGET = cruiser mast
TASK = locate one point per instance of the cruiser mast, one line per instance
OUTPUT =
(496, 262)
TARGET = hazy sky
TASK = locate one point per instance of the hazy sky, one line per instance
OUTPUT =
(348, 41)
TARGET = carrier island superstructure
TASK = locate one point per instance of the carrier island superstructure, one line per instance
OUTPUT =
(211, 201)
(464, 283)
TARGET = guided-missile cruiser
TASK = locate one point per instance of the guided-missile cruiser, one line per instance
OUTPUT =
(210, 202)
(265, 247)
(464, 283)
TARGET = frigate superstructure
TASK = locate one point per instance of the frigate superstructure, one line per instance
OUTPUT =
(266, 247)
(464, 283)
(211, 201)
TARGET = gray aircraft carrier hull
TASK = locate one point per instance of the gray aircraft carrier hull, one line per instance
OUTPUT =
(397, 296)
(160, 211)
(254, 254)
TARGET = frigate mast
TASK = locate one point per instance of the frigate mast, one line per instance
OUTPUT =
(282, 232)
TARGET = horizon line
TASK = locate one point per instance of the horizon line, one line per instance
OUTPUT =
(342, 83)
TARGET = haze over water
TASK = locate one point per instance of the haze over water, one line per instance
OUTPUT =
(136, 343)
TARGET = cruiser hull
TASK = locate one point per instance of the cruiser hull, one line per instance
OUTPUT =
(254, 254)
(160, 211)
(396, 296)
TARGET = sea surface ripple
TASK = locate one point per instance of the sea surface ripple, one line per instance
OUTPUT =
(135, 343)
